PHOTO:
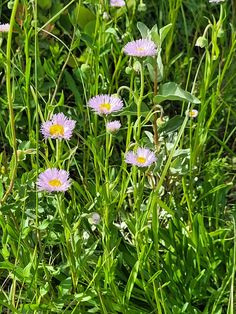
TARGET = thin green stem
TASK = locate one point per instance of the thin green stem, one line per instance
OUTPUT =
(139, 103)
(154, 124)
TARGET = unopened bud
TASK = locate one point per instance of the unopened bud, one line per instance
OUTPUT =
(94, 219)
(105, 16)
(142, 7)
(201, 42)
(128, 70)
(85, 68)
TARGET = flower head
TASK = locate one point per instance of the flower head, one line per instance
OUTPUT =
(143, 157)
(4, 28)
(193, 113)
(141, 48)
(105, 16)
(117, 3)
(53, 180)
(215, 1)
(105, 104)
(58, 127)
(94, 219)
(113, 126)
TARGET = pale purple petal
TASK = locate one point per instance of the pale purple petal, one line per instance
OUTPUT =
(117, 3)
(140, 48)
(130, 158)
(45, 127)
(53, 180)
(4, 28)
(216, 1)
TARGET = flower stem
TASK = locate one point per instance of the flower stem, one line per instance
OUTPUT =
(139, 103)
(154, 124)
(58, 152)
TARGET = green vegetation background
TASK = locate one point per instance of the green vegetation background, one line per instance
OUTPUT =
(177, 257)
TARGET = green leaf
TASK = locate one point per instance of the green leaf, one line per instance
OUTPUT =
(171, 91)
(8, 134)
(61, 100)
(131, 281)
(45, 4)
(172, 125)
(65, 286)
(155, 35)
(165, 207)
(164, 31)
(83, 16)
(112, 31)
(72, 86)
(144, 30)
(1, 190)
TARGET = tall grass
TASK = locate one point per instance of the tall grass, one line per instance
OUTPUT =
(163, 240)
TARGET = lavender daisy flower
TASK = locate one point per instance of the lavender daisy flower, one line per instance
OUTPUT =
(117, 3)
(143, 157)
(58, 127)
(113, 126)
(53, 180)
(4, 28)
(141, 48)
(216, 1)
(94, 219)
(105, 104)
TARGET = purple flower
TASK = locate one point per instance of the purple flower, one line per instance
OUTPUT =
(141, 48)
(4, 28)
(58, 127)
(113, 126)
(143, 157)
(105, 104)
(117, 3)
(215, 1)
(94, 219)
(53, 180)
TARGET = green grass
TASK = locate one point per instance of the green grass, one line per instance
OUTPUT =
(166, 241)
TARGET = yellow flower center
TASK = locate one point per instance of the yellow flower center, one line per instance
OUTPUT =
(56, 129)
(140, 48)
(141, 160)
(192, 114)
(55, 182)
(104, 107)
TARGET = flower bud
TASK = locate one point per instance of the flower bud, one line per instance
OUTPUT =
(128, 70)
(85, 68)
(201, 42)
(142, 7)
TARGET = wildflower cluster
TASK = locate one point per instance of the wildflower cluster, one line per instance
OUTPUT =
(55, 180)
(105, 105)
(60, 127)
